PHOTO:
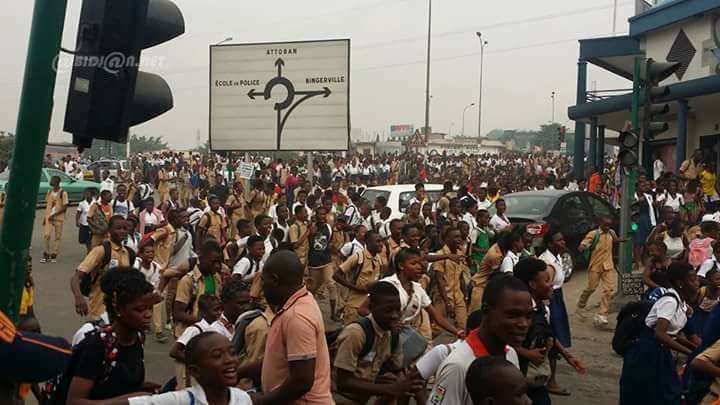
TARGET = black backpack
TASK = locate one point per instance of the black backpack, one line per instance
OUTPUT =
(87, 282)
(538, 334)
(244, 321)
(631, 323)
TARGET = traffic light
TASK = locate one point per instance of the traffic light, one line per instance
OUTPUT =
(108, 94)
(629, 142)
(634, 216)
(651, 75)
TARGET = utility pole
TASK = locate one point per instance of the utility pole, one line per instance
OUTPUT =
(553, 107)
(483, 44)
(33, 127)
(427, 75)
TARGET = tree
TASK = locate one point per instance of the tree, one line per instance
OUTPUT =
(141, 144)
(203, 149)
(7, 145)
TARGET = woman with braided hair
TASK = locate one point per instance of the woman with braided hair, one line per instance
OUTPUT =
(109, 361)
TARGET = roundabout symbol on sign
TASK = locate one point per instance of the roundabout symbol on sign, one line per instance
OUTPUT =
(289, 103)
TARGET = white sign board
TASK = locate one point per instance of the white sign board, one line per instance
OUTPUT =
(280, 96)
(246, 170)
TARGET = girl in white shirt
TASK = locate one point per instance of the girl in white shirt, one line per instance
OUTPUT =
(499, 222)
(151, 270)
(649, 374)
(513, 244)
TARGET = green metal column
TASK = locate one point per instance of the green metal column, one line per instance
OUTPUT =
(33, 125)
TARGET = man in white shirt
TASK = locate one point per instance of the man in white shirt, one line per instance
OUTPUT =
(499, 331)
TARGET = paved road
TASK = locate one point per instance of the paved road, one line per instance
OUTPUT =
(55, 310)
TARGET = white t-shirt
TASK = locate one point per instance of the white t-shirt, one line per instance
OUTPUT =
(351, 247)
(83, 209)
(123, 208)
(410, 306)
(219, 327)
(192, 331)
(429, 363)
(707, 265)
(509, 261)
(671, 309)
(674, 202)
(152, 274)
(248, 268)
(499, 223)
(193, 395)
(658, 169)
(450, 378)
(556, 261)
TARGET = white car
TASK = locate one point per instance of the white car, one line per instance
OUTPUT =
(399, 196)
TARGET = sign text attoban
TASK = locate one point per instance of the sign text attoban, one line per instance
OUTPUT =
(280, 96)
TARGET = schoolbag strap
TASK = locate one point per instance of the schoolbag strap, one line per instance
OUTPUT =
(369, 332)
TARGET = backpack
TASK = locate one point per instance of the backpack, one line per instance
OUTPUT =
(538, 335)
(699, 251)
(110, 343)
(631, 321)
(238, 339)
(369, 332)
(98, 223)
(89, 280)
(355, 274)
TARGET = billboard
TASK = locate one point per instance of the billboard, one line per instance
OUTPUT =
(280, 96)
(401, 131)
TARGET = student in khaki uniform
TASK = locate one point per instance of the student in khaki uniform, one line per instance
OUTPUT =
(56, 201)
(357, 369)
(98, 218)
(213, 224)
(235, 205)
(256, 199)
(203, 278)
(164, 181)
(358, 273)
(601, 270)
(706, 363)
(255, 339)
(93, 266)
(300, 233)
(448, 293)
(489, 264)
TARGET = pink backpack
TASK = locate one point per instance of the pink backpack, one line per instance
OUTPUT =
(700, 250)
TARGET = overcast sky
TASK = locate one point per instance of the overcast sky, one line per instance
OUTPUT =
(532, 52)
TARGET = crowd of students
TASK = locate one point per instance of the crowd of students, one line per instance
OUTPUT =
(235, 272)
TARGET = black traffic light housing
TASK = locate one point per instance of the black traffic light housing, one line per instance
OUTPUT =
(628, 155)
(107, 92)
(651, 75)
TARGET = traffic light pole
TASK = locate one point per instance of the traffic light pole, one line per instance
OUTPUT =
(33, 126)
(629, 179)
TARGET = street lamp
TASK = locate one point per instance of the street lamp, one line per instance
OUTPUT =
(483, 44)
(553, 107)
(228, 39)
(463, 121)
(427, 73)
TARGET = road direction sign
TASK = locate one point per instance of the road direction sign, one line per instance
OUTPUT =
(280, 96)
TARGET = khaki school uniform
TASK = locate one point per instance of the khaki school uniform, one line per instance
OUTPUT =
(350, 343)
(164, 238)
(164, 185)
(56, 201)
(369, 274)
(712, 355)
(255, 339)
(214, 224)
(256, 201)
(451, 272)
(489, 264)
(297, 230)
(97, 240)
(119, 257)
(237, 213)
(601, 270)
(190, 287)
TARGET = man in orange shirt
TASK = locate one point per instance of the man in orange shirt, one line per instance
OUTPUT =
(296, 365)
(594, 185)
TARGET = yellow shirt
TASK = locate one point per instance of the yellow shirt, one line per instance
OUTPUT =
(369, 273)
(450, 271)
(190, 287)
(707, 183)
(601, 258)
(27, 301)
(214, 224)
(164, 238)
(297, 230)
(56, 202)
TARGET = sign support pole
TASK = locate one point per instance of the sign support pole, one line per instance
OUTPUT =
(33, 126)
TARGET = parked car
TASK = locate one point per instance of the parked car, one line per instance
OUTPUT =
(574, 213)
(74, 188)
(399, 196)
(111, 166)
